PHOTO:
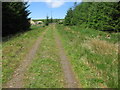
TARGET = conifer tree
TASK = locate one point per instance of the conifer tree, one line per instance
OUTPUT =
(103, 16)
(51, 20)
(69, 17)
(14, 17)
(47, 21)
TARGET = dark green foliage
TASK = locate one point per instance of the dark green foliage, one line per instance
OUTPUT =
(55, 20)
(51, 20)
(69, 17)
(103, 16)
(43, 20)
(47, 21)
(14, 17)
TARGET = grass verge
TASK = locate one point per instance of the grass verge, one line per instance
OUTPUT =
(94, 59)
(15, 49)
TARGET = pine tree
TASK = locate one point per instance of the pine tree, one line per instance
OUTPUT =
(14, 17)
(103, 16)
(51, 20)
(47, 21)
(69, 17)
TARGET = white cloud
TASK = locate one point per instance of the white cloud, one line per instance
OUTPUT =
(59, 1)
(54, 3)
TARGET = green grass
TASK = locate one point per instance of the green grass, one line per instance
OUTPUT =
(92, 33)
(45, 70)
(15, 49)
(94, 59)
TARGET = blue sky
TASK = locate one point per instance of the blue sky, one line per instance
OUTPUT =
(39, 10)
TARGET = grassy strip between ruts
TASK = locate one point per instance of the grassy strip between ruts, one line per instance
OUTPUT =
(95, 61)
(15, 49)
(45, 71)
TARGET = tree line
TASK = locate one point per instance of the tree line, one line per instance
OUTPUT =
(51, 20)
(103, 16)
(14, 17)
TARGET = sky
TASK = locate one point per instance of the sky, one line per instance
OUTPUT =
(39, 10)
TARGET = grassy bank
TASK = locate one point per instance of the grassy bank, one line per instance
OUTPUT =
(45, 71)
(15, 49)
(93, 56)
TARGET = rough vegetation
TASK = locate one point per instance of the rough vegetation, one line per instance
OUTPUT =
(94, 60)
(92, 53)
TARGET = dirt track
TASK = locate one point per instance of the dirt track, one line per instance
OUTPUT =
(69, 76)
(17, 79)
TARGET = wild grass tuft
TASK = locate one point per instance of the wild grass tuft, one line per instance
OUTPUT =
(101, 46)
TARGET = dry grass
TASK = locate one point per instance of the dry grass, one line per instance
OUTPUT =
(101, 47)
(67, 28)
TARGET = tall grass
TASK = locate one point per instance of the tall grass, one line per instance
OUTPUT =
(94, 59)
(92, 33)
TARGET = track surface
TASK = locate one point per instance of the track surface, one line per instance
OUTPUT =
(69, 76)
